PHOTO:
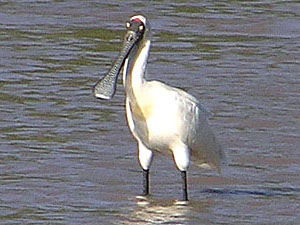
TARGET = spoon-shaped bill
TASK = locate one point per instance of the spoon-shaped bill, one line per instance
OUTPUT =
(105, 88)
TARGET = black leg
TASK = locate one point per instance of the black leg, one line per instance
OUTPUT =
(145, 182)
(184, 186)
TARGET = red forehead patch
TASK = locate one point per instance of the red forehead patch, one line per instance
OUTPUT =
(137, 20)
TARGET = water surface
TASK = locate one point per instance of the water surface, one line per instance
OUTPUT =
(67, 158)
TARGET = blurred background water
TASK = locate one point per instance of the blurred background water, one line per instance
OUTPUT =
(67, 158)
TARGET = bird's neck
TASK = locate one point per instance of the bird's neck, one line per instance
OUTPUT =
(135, 66)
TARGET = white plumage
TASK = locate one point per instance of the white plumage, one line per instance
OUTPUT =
(176, 123)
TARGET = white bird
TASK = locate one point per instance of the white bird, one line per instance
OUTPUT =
(161, 118)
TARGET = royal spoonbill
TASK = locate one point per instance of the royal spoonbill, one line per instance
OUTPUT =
(161, 118)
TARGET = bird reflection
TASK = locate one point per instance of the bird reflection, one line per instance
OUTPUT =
(152, 211)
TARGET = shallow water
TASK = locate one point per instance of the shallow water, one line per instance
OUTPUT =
(67, 158)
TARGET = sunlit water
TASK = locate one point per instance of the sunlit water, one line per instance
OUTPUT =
(67, 158)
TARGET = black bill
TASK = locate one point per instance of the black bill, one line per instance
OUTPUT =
(105, 88)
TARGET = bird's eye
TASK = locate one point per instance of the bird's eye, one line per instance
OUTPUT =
(141, 27)
(127, 24)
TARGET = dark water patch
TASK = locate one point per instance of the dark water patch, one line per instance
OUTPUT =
(190, 10)
(268, 192)
(94, 34)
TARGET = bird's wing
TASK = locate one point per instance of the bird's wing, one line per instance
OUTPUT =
(205, 150)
